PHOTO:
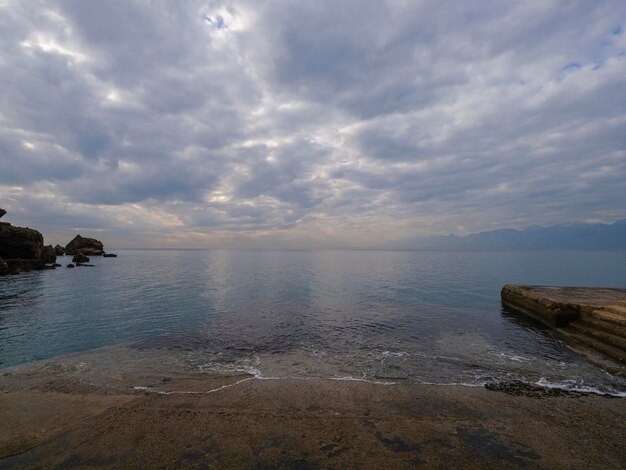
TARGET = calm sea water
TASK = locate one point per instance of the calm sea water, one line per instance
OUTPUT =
(425, 317)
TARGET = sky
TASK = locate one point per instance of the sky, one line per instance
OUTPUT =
(321, 124)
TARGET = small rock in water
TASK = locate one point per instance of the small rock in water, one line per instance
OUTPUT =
(80, 257)
(89, 246)
(109, 255)
(85, 264)
(48, 254)
(71, 265)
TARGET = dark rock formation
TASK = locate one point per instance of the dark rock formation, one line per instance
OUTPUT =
(88, 246)
(85, 264)
(4, 267)
(49, 255)
(21, 249)
(23, 265)
(80, 257)
(109, 255)
(20, 242)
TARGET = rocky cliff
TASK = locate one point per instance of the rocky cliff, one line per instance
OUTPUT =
(21, 248)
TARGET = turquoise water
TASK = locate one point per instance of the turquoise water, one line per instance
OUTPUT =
(428, 317)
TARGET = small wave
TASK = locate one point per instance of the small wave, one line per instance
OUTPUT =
(510, 357)
(211, 368)
(190, 392)
(394, 354)
(142, 388)
(575, 387)
(251, 369)
(542, 382)
(452, 384)
(348, 378)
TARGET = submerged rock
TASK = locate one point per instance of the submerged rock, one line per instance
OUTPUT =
(80, 257)
(88, 246)
(109, 255)
(71, 265)
(60, 251)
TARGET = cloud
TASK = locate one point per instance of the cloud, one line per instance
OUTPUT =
(353, 123)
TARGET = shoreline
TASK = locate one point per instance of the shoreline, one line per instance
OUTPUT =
(119, 369)
(122, 367)
(242, 421)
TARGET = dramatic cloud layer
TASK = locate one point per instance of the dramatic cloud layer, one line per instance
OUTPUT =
(309, 124)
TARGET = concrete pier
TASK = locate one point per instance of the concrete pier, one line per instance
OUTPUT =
(590, 319)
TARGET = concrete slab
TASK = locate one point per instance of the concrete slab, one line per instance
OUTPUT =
(557, 306)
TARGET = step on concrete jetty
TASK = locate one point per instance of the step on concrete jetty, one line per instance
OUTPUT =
(592, 320)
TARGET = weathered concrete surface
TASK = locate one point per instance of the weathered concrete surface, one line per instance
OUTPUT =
(30, 418)
(590, 320)
(204, 421)
(557, 306)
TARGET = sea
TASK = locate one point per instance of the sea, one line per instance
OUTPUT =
(416, 317)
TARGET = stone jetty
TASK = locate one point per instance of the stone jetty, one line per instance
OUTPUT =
(591, 320)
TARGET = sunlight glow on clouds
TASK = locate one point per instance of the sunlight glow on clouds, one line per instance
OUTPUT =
(309, 124)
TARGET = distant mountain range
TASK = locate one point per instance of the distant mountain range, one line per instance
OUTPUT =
(574, 236)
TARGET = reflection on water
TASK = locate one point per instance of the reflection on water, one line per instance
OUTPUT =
(418, 316)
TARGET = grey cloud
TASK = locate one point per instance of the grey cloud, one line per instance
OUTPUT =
(49, 162)
(242, 218)
(365, 58)
(285, 117)
(287, 176)
(135, 40)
